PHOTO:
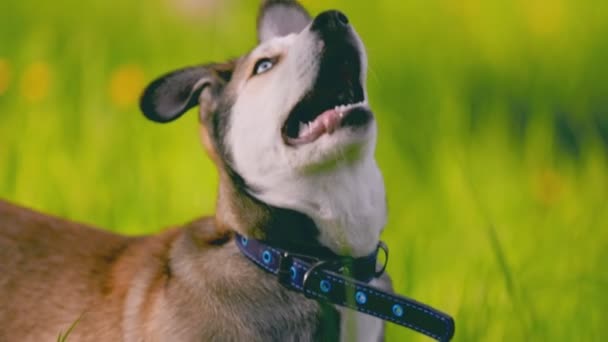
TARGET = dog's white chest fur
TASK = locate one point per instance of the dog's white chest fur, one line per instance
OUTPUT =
(347, 204)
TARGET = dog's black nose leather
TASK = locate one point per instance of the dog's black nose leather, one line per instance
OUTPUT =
(342, 18)
(329, 21)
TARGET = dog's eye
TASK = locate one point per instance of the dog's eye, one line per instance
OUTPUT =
(263, 65)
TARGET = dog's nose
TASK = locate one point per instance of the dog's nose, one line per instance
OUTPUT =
(330, 21)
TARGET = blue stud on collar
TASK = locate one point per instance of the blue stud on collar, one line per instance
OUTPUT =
(244, 241)
(293, 272)
(325, 286)
(397, 310)
(360, 297)
(266, 257)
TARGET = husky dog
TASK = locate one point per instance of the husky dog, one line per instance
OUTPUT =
(291, 132)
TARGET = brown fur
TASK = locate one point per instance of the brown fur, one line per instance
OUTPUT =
(187, 284)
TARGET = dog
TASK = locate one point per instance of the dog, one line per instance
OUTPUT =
(293, 137)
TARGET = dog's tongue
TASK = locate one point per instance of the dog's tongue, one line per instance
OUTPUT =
(327, 122)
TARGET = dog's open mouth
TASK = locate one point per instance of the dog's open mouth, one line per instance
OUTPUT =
(336, 100)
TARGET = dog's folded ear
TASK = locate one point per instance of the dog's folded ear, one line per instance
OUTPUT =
(280, 18)
(173, 94)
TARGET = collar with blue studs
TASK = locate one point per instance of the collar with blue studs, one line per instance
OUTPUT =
(344, 281)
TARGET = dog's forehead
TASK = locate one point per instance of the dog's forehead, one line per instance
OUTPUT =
(273, 47)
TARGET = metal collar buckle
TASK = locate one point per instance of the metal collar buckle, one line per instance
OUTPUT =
(285, 265)
(343, 267)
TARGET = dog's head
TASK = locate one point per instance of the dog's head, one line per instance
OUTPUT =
(288, 123)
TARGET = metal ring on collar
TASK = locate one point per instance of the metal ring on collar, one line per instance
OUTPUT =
(312, 268)
(382, 246)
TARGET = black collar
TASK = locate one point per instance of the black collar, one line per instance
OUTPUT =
(344, 281)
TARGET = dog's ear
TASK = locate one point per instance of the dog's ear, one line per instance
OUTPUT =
(171, 95)
(279, 18)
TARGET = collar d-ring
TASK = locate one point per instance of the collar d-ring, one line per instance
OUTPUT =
(382, 246)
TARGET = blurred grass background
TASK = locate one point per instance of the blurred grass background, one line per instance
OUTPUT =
(493, 140)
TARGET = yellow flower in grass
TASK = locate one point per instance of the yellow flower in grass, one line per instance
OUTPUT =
(548, 187)
(126, 84)
(36, 82)
(5, 76)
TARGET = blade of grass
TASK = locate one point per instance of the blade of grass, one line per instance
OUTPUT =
(64, 337)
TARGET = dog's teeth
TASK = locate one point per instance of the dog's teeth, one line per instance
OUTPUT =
(303, 128)
(342, 108)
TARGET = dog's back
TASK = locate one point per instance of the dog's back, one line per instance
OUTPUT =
(51, 272)
(187, 284)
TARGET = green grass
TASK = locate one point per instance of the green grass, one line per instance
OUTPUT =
(64, 337)
(493, 141)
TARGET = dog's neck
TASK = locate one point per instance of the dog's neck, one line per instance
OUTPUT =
(346, 204)
(341, 212)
